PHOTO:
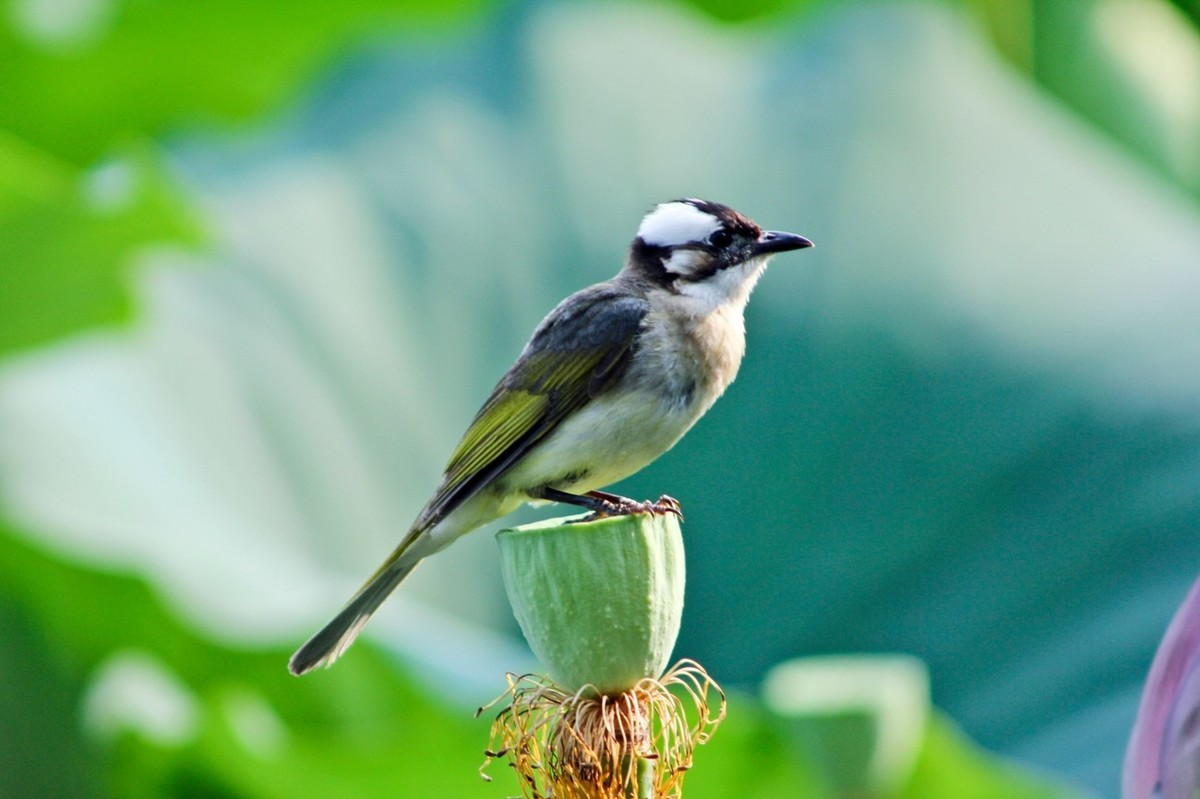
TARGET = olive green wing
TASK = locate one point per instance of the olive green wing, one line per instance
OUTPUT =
(578, 352)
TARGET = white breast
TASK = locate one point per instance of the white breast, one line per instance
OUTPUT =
(684, 363)
(606, 441)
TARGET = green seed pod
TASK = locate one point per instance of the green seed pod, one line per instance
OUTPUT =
(599, 602)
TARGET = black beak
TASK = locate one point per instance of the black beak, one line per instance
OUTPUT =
(778, 241)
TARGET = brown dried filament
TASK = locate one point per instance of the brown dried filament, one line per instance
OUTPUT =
(583, 745)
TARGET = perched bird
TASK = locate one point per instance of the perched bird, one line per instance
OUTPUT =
(610, 380)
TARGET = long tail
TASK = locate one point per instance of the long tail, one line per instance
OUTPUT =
(328, 644)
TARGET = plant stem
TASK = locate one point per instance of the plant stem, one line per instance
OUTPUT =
(645, 779)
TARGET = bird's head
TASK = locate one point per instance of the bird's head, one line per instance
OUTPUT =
(704, 249)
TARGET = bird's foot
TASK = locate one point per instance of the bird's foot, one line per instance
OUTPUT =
(667, 504)
(615, 505)
(602, 504)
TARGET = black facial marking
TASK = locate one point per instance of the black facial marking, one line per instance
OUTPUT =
(651, 262)
(731, 244)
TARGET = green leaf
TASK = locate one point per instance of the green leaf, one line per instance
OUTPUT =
(1130, 68)
(45, 753)
(750, 757)
(735, 11)
(68, 237)
(78, 85)
(951, 766)
(81, 82)
(361, 730)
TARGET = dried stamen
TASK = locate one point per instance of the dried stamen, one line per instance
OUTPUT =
(587, 745)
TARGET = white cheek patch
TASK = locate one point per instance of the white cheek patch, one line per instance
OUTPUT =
(729, 286)
(684, 262)
(672, 224)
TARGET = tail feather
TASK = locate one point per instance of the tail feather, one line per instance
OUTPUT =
(328, 644)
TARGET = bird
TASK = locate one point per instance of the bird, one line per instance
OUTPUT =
(610, 380)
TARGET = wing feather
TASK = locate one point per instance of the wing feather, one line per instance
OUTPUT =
(580, 350)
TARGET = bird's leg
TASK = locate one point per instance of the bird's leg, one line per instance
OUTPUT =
(665, 504)
(602, 503)
(609, 505)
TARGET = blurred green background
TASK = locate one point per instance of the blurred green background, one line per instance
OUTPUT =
(260, 262)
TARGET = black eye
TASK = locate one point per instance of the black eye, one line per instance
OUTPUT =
(720, 238)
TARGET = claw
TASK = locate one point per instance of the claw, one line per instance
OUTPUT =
(666, 505)
(662, 507)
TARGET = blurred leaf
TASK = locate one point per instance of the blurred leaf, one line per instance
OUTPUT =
(79, 79)
(749, 757)
(859, 719)
(952, 766)
(1009, 23)
(45, 753)
(1191, 8)
(735, 11)
(361, 730)
(1131, 67)
(67, 237)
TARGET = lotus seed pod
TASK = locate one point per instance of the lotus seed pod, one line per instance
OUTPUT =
(599, 602)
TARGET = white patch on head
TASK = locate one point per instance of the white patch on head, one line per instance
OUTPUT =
(671, 224)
